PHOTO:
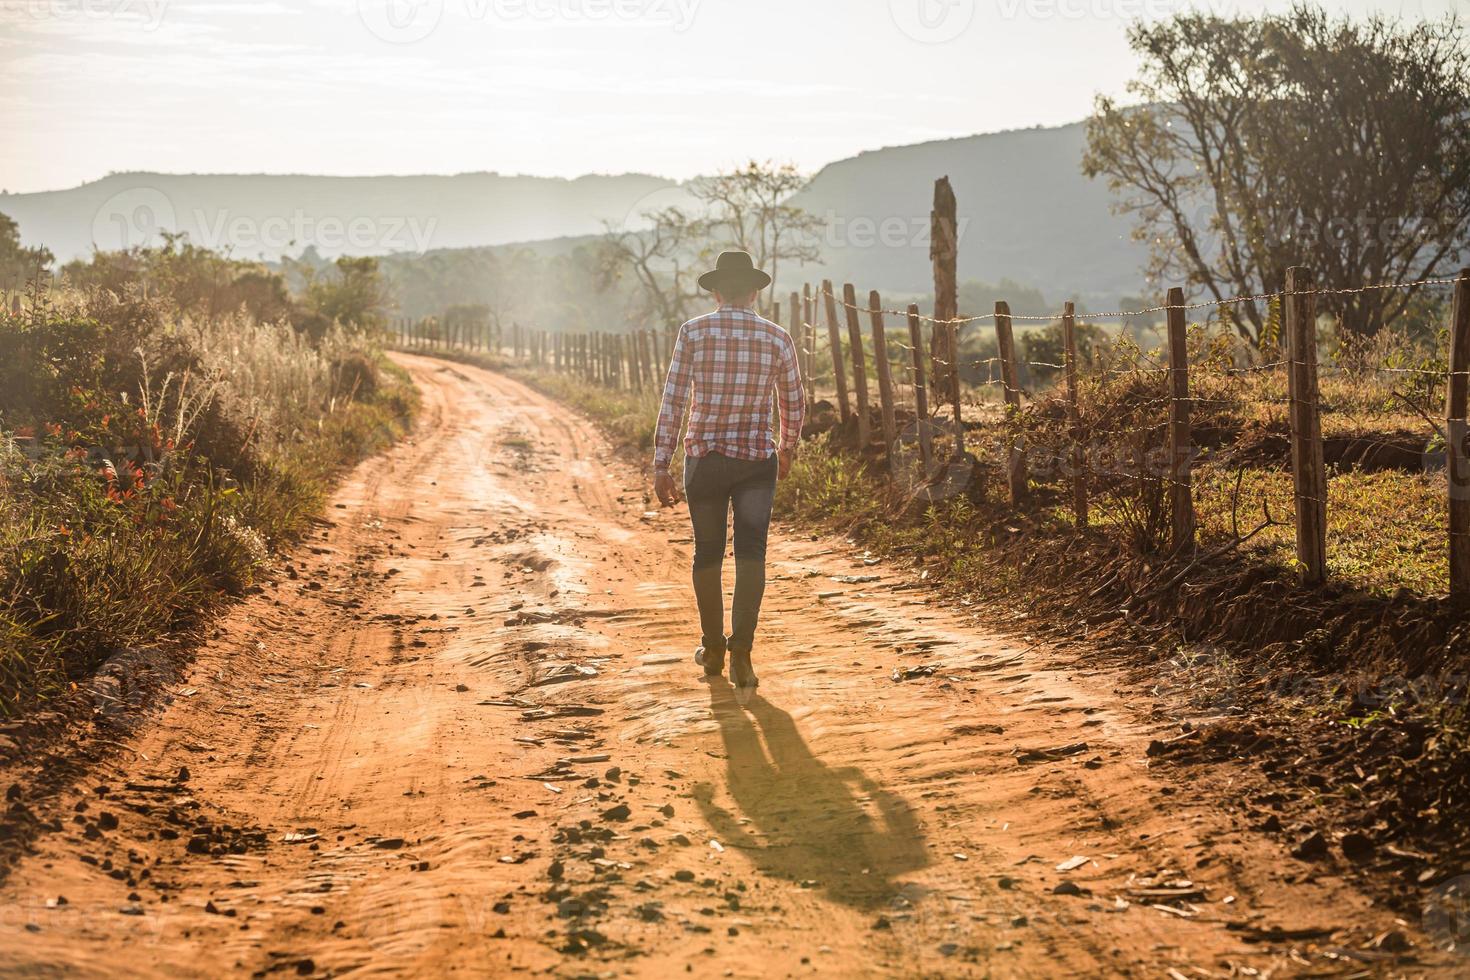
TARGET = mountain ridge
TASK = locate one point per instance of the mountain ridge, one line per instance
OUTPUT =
(1027, 213)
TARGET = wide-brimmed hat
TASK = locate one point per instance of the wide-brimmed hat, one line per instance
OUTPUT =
(734, 272)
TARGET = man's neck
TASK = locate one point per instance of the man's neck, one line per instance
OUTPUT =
(747, 307)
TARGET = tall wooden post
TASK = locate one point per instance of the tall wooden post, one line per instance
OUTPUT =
(809, 341)
(944, 254)
(793, 305)
(885, 379)
(1307, 468)
(1074, 418)
(834, 338)
(1181, 448)
(859, 362)
(1005, 345)
(921, 393)
(1457, 451)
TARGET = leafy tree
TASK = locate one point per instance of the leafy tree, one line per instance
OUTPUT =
(745, 209)
(1294, 139)
(352, 294)
(18, 264)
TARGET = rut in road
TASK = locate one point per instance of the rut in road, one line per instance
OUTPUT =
(462, 732)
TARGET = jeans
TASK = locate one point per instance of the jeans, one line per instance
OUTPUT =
(713, 484)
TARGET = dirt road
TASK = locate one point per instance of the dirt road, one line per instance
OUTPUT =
(462, 733)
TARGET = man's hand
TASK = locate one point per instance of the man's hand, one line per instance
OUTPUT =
(666, 489)
(783, 463)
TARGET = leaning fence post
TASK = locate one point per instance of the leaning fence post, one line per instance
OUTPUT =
(1307, 468)
(1181, 449)
(1005, 345)
(921, 394)
(859, 362)
(885, 377)
(1074, 418)
(834, 339)
(1457, 448)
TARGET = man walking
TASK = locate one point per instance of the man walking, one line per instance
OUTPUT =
(732, 359)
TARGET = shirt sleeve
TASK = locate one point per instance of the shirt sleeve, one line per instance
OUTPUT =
(790, 398)
(675, 401)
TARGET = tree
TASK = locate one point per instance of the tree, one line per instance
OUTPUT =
(749, 209)
(354, 296)
(18, 264)
(1294, 139)
(745, 209)
(662, 260)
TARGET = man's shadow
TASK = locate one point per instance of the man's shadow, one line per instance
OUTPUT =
(813, 829)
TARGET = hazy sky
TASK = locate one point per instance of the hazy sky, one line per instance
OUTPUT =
(552, 87)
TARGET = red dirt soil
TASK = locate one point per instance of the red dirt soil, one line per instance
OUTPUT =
(465, 735)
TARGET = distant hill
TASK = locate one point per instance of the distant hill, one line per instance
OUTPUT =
(1032, 216)
(270, 215)
(1027, 214)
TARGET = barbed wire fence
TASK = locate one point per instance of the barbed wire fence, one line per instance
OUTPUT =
(1115, 431)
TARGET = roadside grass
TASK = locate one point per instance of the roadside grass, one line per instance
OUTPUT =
(150, 464)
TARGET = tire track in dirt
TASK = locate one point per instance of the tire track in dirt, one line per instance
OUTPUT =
(467, 724)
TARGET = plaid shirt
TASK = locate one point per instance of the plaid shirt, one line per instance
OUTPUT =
(732, 359)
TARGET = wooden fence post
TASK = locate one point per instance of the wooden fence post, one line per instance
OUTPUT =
(1457, 451)
(944, 253)
(1074, 418)
(1307, 468)
(834, 339)
(809, 342)
(859, 363)
(1005, 345)
(1181, 440)
(793, 305)
(921, 394)
(885, 377)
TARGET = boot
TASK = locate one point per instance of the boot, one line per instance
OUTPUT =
(713, 661)
(741, 674)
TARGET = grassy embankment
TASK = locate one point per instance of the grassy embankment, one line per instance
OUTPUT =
(151, 460)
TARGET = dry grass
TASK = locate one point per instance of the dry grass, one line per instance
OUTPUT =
(150, 462)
